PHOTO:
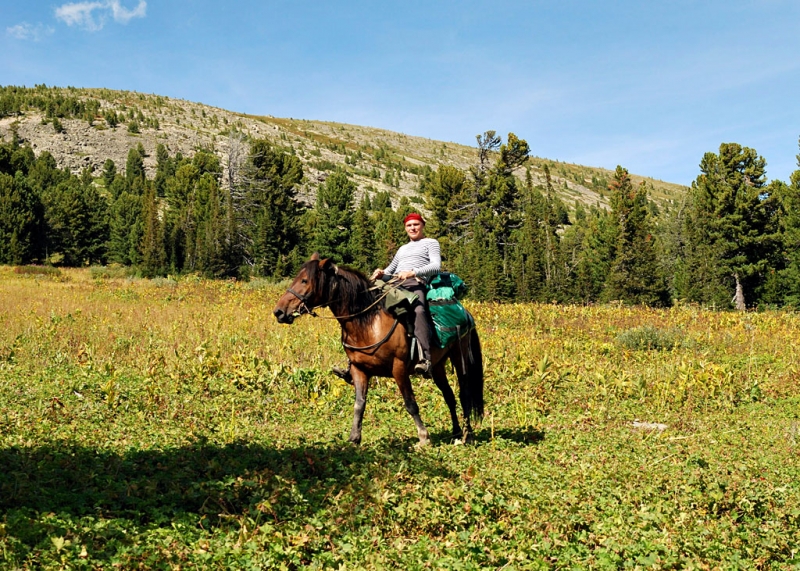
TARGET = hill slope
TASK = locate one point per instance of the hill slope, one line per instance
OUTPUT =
(376, 158)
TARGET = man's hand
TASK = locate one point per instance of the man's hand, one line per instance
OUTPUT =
(376, 274)
(406, 275)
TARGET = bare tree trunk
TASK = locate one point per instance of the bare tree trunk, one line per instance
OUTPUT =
(237, 152)
(738, 298)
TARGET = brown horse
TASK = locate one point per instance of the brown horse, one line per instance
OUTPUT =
(377, 346)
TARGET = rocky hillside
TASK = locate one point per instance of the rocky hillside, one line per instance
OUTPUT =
(377, 159)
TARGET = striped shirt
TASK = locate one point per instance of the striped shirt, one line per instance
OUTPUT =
(421, 256)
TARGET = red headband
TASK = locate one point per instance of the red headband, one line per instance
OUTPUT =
(413, 216)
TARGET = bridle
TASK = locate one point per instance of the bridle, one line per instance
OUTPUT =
(304, 309)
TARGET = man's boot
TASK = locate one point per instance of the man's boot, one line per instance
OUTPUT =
(424, 368)
(343, 374)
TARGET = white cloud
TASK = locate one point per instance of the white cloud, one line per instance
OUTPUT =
(92, 16)
(123, 15)
(25, 31)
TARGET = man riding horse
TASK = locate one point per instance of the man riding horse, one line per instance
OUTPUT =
(374, 344)
(413, 264)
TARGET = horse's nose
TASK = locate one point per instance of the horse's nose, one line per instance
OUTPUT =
(280, 315)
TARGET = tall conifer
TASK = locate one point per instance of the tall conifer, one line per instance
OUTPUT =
(633, 277)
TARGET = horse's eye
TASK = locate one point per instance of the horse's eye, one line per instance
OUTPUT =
(303, 281)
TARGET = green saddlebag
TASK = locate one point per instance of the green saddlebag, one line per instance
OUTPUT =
(450, 319)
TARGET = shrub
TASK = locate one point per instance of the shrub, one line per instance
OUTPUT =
(110, 272)
(323, 165)
(648, 337)
(159, 281)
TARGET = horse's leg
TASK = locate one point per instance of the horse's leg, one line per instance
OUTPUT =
(458, 359)
(361, 384)
(440, 378)
(404, 384)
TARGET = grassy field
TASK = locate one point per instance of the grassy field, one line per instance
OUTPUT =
(174, 424)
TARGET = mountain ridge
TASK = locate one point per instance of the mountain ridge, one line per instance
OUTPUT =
(377, 159)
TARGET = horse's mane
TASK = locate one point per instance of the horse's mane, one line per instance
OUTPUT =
(348, 291)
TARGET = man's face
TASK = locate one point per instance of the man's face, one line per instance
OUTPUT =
(414, 229)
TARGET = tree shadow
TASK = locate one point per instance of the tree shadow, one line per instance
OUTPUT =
(518, 435)
(525, 436)
(202, 483)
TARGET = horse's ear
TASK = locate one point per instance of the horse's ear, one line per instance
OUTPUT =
(327, 265)
(314, 257)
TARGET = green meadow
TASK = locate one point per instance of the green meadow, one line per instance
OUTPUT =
(173, 424)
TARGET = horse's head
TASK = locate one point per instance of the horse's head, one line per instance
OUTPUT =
(308, 290)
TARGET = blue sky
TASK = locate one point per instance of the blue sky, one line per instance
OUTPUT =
(649, 85)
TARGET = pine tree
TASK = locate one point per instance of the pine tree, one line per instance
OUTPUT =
(109, 173)
(730, 229)
(446, 194)
(633, 276)
(154, 259)
(478, 217)
(184, 211)
(362, 239)
(388, 225)
(789, 270)
(495, 215)
(21, 221)
(535, 256)
(587, 249)
(134, 170)
(165, 168)
(179, 219)
(268, 213)
(77, 223)
(334, 218)
(381, 201)
(44, 174)
(125, 230)
(210, 222)
(232, 246)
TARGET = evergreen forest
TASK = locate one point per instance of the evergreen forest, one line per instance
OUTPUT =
(730, 242)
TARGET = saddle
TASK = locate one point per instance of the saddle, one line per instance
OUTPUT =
(396, 300)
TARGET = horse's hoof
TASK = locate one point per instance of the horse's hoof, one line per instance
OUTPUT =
(458, 442)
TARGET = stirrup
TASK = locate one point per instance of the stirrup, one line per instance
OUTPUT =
(423, 368)
(343, 374)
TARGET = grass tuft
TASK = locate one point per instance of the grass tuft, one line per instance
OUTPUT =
(37, 271)
(113, 271)
(649, 338)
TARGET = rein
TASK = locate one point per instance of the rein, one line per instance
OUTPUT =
(350, 316)
(304, 309)
(312, 312)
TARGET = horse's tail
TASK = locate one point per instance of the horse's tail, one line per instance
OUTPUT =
(470, 380)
